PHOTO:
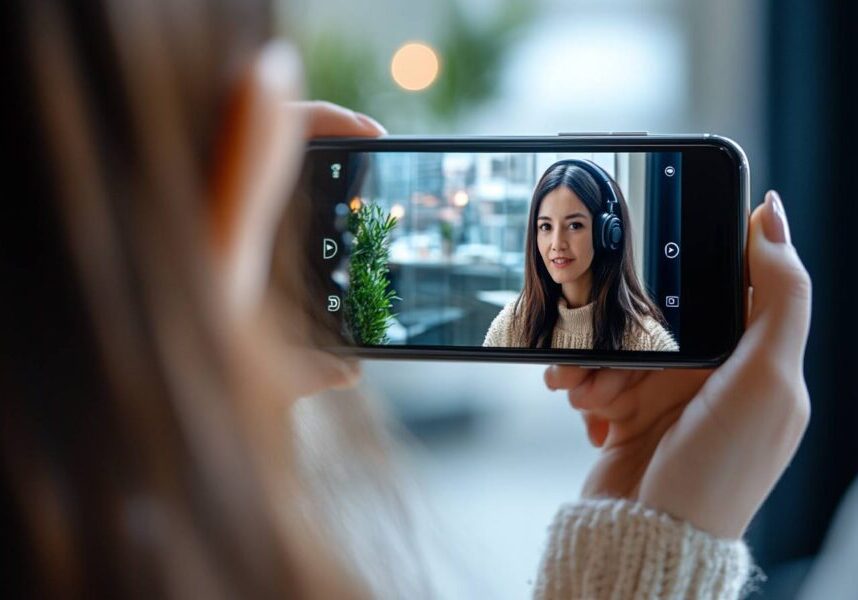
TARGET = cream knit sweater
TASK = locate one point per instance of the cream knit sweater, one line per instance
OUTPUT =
(615, 549)
(574, 330)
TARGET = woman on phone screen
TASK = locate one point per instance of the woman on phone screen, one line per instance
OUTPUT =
(580, 287)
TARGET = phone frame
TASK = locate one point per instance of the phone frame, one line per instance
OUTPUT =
(572, 142)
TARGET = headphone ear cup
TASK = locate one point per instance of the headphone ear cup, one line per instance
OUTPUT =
(610, 232)
(600, 231)
(615, 233)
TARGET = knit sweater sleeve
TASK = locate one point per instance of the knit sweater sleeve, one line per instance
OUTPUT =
(606, 548)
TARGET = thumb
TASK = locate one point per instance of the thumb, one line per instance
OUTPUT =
(781, 288)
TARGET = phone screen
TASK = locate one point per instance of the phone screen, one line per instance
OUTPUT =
(570, 252)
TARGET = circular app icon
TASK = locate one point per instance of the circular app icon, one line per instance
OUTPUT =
(671, 250)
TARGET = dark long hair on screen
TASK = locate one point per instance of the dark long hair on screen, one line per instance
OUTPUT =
(620, 301)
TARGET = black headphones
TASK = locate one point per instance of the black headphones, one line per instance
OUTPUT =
(607, 226)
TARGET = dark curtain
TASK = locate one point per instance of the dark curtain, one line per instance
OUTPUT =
(812, 104)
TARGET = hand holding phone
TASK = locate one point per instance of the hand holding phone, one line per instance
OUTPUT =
(707, 447)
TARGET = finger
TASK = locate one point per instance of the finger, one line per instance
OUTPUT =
(646, 399)
(345, 372)
(597, 428)
(782, 288)
(663, 391)
(565, 377)
(315, 371)
(671, 386)
(325, 119)
(601, 390)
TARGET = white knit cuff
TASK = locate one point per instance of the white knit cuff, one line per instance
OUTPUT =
(608, 548)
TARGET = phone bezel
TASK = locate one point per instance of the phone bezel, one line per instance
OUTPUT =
(717, 336)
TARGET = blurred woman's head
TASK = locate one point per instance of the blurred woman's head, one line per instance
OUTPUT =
(561, 253)
(145, 445)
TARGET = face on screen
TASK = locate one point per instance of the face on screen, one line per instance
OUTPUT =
(565, 238)
(504, 250)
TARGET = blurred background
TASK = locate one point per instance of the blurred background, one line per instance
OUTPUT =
(497, 452)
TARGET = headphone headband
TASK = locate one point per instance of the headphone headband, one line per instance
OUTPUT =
(603, 180)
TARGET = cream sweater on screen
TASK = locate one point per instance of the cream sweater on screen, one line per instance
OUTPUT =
(614, 549)
(574, 330)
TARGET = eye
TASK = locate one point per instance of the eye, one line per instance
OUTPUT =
(544, 226)
(576, 225)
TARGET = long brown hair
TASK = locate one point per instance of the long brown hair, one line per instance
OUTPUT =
(620, 301)
(141, 455)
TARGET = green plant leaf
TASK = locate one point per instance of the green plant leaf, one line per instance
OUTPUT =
(369, 300)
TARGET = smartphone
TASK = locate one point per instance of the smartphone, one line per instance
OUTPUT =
(622, 250)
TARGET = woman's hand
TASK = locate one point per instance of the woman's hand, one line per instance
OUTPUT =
(708, 446)
(325, 119)
(320, 370)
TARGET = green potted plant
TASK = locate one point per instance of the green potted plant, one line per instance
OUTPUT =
(446, 238)
(369, 299)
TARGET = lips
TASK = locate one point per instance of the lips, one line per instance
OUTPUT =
(561, 262)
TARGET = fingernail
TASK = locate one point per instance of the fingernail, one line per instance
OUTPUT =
(775, 224)
(370, 122)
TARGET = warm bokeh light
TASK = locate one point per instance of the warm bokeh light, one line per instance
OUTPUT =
(460, 198)
(414, 66)
(355, 204)
(428, 200)
(397, 211)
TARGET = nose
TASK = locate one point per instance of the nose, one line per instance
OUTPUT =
(558, 240)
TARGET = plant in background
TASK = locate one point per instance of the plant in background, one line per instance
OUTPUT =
(369, 300)
(348, 67)
(472, 52)
(446, 228)
(343, 68)
(446, 231)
